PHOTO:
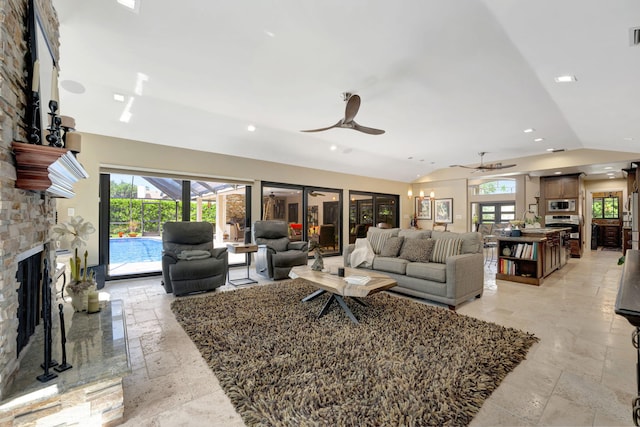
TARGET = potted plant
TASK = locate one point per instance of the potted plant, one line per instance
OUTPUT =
(81, 282)
(133, 228)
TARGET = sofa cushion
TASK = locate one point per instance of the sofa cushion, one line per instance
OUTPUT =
(378, 236)
(392, 247)
(416, 250)
(392, 265)
(428, 270)
(444, 248)
(409, 233)
(471, 242)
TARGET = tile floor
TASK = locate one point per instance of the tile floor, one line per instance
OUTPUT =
(582, 372)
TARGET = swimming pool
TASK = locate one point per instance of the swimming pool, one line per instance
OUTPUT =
(135, 249)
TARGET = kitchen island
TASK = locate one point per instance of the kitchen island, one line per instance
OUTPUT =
(534, 255)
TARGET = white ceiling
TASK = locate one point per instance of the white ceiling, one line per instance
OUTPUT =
(445, 79)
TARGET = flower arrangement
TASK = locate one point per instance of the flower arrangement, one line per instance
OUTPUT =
(78, 230)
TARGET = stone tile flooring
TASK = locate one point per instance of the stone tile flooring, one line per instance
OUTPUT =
(582, 372)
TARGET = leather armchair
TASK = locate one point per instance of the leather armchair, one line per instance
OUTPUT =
(277, 254)
(190, 263)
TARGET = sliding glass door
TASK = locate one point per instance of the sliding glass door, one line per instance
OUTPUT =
(371, 210)
(314, 214)
(134, 208)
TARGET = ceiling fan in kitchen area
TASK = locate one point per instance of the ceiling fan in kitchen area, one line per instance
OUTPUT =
(483, 167)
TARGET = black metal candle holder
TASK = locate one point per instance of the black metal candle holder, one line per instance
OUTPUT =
(46, 316)
(63, 340)
(34, 131)
(54, 138)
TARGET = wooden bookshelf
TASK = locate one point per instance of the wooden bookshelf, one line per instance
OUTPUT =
(520, 259)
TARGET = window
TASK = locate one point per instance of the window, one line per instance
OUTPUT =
(497, 212)
(502, 186)
(605, 208)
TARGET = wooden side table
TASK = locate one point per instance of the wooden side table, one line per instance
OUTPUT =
(242, 248)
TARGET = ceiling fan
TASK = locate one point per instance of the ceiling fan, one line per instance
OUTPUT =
(483, 167)
(353, 105)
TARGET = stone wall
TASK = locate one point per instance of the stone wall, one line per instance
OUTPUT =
(25, 216)
(235, 208)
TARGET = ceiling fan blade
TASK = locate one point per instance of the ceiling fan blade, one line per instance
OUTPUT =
(353, 105)
(370, 131)
(327, 128)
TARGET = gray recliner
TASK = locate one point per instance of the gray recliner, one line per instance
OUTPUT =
(276, 253)
(190, 263)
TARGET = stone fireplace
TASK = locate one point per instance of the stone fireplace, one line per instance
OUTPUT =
(26, 217)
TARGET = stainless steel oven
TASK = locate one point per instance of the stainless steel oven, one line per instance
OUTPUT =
(571, 221)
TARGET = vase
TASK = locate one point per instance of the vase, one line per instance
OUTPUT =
(79, 300)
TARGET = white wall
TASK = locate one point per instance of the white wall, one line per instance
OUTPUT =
(100, 151)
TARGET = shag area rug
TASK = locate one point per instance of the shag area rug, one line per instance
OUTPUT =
(405, 364)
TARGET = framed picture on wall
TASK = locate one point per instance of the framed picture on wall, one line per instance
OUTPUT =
(423, 208)
(443, 210)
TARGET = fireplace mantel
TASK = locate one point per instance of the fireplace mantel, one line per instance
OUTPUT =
(44, 168)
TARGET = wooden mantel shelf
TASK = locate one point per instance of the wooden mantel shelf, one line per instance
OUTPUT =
(44, 168)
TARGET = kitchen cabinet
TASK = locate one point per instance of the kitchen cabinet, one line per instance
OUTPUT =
(626, 239)
(561, 187)
(611, 235)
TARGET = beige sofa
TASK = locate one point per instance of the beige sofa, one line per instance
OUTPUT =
(446, 277)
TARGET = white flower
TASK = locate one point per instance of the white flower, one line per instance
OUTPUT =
(77, 229)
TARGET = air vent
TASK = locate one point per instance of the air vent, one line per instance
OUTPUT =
(558, 150)
(634, 35)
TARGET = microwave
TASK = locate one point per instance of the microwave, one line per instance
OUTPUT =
(564, 205)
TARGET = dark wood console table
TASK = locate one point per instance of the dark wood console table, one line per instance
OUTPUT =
(628, 306)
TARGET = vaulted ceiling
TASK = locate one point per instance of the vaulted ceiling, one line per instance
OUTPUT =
(444, 79)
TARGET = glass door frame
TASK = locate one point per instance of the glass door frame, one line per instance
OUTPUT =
(304, 192)
(104, 207)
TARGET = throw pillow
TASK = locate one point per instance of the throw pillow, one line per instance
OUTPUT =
(444, 248)
(392, 247)
(377, 237)
(416, 250)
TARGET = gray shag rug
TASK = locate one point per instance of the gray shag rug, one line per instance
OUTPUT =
(405, 364)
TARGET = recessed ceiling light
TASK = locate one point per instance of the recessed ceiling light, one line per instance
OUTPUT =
(611, 177)
(557, 173)
(539, 139)
(628, 138)
(269, 33)
(550, 149)
(529, 130)
(565, 79)
(608, 167)
(610, 173)
(251, 128)
(118, 97)
(334, 147)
